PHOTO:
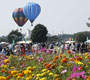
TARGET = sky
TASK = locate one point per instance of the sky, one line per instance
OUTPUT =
(69, 16)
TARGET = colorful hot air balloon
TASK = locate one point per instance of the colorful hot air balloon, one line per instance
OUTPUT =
(19, 17)
(32, 11)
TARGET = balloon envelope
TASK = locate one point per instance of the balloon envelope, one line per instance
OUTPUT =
(32, 11)
(19, 17)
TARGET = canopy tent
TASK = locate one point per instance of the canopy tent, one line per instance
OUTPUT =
(24, 42)
(3, 43)
(88, 41)
(68, 42)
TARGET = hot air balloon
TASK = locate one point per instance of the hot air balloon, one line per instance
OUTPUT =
(19, 17)
(32, 11)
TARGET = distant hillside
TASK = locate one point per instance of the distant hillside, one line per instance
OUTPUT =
(65, 37)
(87, 33)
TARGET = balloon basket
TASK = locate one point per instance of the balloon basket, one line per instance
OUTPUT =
(31, 24)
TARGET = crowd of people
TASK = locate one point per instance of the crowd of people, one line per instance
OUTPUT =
(21, 49)
(78, 47)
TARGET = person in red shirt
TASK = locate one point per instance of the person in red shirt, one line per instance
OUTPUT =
(22, 50)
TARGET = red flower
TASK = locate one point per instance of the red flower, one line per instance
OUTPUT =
(64, 60)
(56, 57)
(48, 66)
(69, 52)
(20, 75)
(3, 70)
(31, 69)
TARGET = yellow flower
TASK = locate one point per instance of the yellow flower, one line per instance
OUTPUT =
(6, 61)
(34, 67)
(38, 75)
(73, 79)
(42, 74)
(12, 67)
(2, 78)
(37, 78)
(57, 78)
(80, 62)
(14, 73)
(32, 75)
(28, 68)
(76, 61)
(86, 66)
(5, 66)
(47, 71)
(2, 66)
(44, 78)
(10, 57)
(29, 78)
(56, 75)
(19, 77)
(27, 57)
(50, 74)
(44, 70)
(86, 54)
(60, 66)
(27, 72)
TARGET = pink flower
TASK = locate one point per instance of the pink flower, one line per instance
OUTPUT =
(22, 65)
(77, 75)
(75, 68)
(87, 60)
(43, 50)
(64, 71)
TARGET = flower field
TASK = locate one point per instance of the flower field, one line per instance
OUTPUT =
(45, 66)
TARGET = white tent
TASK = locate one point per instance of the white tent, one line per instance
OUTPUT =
(28, 42)
(68, 42)
(3, 43)
(88, 41)
(24, 42)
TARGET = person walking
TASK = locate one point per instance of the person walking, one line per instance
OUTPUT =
(22, 50)
(78, 47)
(83, 47)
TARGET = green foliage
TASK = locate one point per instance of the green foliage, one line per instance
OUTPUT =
(88, 24)
(65, 37)
(39, 33)
(3, 39)
(14, 35)
(80, 37)
(53, 38)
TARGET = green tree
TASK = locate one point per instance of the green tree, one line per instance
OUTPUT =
(3, 39)
(54, 38)
(80, 37)
(39, 33)
(14, 35)
(88, 24)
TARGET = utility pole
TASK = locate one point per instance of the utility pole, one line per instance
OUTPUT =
(62, 34)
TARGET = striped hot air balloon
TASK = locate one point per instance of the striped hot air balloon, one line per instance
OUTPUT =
(19, 17)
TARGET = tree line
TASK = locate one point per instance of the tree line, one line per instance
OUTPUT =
(39, 34)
